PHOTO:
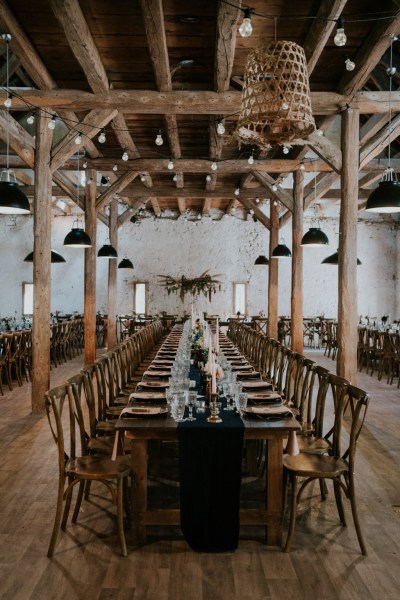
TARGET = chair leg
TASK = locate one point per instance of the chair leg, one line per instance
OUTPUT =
(355, 514)
(339, 502)
(78, 501)
(120, 517)
(57, 520)
(293, 510)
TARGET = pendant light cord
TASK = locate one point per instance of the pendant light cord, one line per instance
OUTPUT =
(8, 110)
(390, 98)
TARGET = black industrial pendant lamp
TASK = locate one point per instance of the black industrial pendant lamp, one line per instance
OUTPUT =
(12, 200)
(77, 237)
(107, 251)
(314, 237)
(125, 264)
(55, 257)
(261, 260)
(386, 197)
(281, 250)
(333, 259)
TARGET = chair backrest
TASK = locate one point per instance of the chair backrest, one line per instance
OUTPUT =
(352, 405)
(64, 430)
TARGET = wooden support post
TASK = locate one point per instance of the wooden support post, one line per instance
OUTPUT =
(347, 301)
(41, 265)
(273, 274)
(112, 278)
(90, 269)
(297, 264)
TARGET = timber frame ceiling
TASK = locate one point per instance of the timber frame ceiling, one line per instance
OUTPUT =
(137, 67)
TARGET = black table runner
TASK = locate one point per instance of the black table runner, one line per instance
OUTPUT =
(210, 460)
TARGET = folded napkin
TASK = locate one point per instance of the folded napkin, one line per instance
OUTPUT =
(152, 384)
(265, 397)
(256, 385)
(137, 411)
(147, 396)
(166, 373)
(265, 411)
(159, 367)
(247, 375)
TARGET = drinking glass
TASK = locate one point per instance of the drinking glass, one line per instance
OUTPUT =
(241, 402)
(229, 392)
(178, 407)
(191, 398)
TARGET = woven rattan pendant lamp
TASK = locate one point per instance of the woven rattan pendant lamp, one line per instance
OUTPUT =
(276, 105)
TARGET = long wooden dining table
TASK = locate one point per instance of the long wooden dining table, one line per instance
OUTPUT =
(138, 432)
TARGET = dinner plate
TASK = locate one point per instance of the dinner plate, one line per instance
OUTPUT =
(143, 411)
(147, 396)
(153, 384)
(265, 397)
(256, 385)
(281, 411)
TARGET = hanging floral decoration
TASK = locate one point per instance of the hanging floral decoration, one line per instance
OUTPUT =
(205, 284)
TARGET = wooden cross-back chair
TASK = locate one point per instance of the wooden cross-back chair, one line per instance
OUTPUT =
(337, 466)
(76, 466)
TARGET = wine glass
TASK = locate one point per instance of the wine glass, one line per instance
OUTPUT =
(191, 398)
(241, 402)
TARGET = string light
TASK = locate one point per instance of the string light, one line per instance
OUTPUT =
(115, 168)
(302, 167)
(246, 28)
(170, 164)
(84, 166)
(350, 65)
(175, 178)
(143, 178)
(274, 187)
(340, 38)
(102, 136)
(208, 178)
(52, 122)
(159, 138)
(31, 119)
(214, 166)
(250, 160)
(285, 150)
(220, 127)
(237, 191)
(125, 156)
(78, 139)
(8, 101)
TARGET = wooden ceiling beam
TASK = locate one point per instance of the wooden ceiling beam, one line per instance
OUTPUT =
(379, 141)
(120, 128)
(206, 206)
(326, 150)
(225, 44)
(89, 127)
(321, 29)
(260, 216)
(182, 205)
(369, 55)
(188, 102)
(155, 206)
(314, 192)
(122, 182)
(278, 193)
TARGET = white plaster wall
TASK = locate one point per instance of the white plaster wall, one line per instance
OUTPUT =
(185, 248)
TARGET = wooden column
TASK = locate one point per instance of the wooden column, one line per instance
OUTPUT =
(297, 263)
(347, 302)
(273, 274)
(90, 269)
(41, 265)
(112, 278)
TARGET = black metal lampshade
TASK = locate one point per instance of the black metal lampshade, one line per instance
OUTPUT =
(385, 198)
(55, 257)
(12, 200)
(77, 237)
(314, 237)
(107, 251)
(125, 264)
(281, 251)
(261, 260)
(333, 259)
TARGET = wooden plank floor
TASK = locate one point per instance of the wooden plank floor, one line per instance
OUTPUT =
(325, 562)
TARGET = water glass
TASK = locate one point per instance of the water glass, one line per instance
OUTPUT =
(241, 402)
(178, 407)
(191, 398)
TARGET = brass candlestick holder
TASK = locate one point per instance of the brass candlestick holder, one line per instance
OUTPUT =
(214, 418)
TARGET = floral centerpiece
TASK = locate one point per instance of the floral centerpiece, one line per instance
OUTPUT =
(205, 284)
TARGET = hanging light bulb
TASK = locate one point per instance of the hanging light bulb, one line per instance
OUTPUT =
(159, 138)
(274, 188)
(143, 178)
(246, 28)
(78, 139)
(102, 136)
(214, 166)
(302, 167)
(237, 191)
(84, 166)
(340, 38)
(8, 101)
(125, 156)
(250, 160)
(350, 65)
(208, 178)
(220, 127)
(170, 165)
(285, 106)
(175, 178)
(31, 119)
(52, 122)
(115, 168)
(285, 150)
